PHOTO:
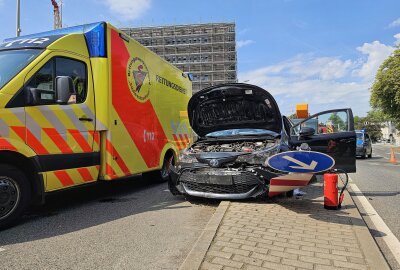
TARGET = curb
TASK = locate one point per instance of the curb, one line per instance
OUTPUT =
(200, 248)
(373, 254)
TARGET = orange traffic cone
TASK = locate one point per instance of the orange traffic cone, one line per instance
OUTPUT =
(392, 157)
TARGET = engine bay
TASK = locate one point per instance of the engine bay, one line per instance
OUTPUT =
(237, 146)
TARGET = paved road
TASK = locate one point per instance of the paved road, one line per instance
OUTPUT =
(379, 181)
(119, 225)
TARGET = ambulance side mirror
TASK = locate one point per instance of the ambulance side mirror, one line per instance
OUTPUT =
(64, 89)
(306, 132)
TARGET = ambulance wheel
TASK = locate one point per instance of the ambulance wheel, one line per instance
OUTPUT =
(15, 194)
(160, 176)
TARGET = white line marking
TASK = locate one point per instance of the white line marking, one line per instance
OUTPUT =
(2, 249)
(386, 165)
(390, 239)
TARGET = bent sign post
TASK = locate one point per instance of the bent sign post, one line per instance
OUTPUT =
(301, 162)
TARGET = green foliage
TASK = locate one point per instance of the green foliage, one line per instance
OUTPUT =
(338, 122)
(385, 92)
(293, 116)
(372, 123)
(359, 122)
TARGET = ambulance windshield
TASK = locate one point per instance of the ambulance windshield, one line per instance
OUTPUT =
(13, 61)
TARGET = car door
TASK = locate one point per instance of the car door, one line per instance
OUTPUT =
(330, 132)
(61, 134)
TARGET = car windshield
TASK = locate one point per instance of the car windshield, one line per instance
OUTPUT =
(13, 61)
(241, 132)
(359, 136)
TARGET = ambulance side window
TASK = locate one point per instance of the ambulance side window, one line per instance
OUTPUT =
(44, 80)
(77, 71)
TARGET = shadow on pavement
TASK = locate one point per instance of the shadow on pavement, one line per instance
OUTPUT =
(88, 206)
(374, 158)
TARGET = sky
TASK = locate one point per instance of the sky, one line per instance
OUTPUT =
(324, 53)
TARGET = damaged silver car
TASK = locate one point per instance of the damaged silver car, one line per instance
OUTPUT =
(239, 128)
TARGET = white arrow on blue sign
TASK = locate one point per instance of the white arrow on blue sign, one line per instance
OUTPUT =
(301, 162)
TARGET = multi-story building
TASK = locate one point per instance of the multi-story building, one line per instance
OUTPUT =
(208, 51)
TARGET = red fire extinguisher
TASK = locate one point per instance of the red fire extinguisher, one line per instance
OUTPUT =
(331, 199)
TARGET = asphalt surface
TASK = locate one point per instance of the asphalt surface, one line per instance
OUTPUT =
(379, 181)
(127, 224)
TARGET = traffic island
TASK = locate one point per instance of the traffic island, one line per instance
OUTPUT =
(289, 233)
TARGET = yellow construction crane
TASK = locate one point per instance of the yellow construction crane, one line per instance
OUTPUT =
(57, 16)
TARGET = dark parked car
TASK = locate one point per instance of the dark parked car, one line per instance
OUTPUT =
(239, 128)
(364, 144)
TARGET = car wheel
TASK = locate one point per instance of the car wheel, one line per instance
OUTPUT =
(289, 194)
(160, 176)
(172, 188)
(15, 194)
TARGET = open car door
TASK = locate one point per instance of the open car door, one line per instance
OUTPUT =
(330, 132)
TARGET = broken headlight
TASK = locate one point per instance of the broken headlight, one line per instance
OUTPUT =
(187, 157)
(259, 157)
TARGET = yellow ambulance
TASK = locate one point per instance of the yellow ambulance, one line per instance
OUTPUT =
(83, 104)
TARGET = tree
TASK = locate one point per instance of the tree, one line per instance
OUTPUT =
(337, 121)
(359, 122)
(385, 91)
(372, 123)
(293, 116)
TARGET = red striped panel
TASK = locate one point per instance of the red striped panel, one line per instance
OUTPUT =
(96, 136)
(130, 110)
(58, 140)
(111, 149)
(30, 139)
(6, 145)
(110, 171)
(83, 143)
(177, 141)
(183, 141)
(272, 194)
(121, 163)
(85, 173)
(64, 178)
(186, 137)
(283, 182)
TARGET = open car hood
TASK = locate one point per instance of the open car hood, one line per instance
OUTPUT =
(233, 106)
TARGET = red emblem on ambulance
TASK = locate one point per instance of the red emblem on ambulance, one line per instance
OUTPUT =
(138, 79)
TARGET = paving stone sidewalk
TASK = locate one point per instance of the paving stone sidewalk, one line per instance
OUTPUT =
(293, 233)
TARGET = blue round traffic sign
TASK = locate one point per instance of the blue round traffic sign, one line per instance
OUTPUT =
(301, 162)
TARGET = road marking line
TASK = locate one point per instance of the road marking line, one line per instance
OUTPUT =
(385, 165)
(2, 249)
(390, 239)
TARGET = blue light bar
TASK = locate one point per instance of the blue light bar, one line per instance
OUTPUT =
(95, 35)
(96, 40)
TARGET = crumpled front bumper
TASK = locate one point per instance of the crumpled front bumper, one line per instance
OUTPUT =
(201, 180)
